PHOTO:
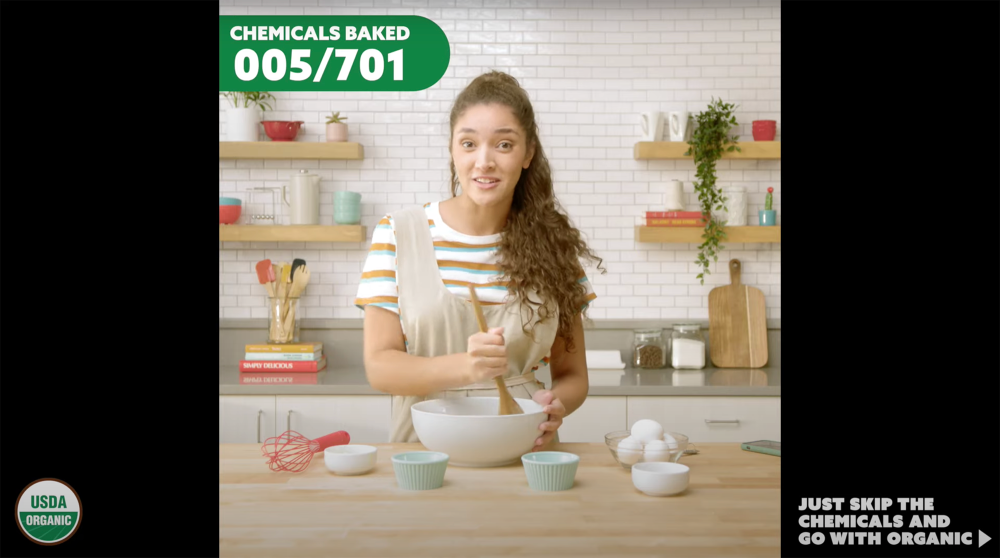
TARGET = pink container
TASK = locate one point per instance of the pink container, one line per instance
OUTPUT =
(764, 130)
(228, 214)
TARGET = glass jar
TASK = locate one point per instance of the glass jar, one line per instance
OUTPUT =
(687, 347)
(282, 320)
(649, 350)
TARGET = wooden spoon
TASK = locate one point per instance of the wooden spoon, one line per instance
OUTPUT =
(507, 404)
(300, 279)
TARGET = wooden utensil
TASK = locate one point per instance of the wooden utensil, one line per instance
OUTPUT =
(507, 404)
(737, 323)
(286, 285)
(296, 263)
(265, 274)
(300, 279)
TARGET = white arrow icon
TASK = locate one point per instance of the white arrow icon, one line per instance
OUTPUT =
(983, 538)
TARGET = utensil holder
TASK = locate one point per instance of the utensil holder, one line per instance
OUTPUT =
(283, 320)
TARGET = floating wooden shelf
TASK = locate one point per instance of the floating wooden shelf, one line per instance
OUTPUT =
(692, 235)
(290, 150)
(676, 149)
(292, 233)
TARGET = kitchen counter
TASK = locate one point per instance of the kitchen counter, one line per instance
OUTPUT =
(731, 508)
(708, 381)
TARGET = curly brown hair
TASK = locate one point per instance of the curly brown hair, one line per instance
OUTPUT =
(540, 250)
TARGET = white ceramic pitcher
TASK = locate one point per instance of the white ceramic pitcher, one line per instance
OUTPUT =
(303, 209)
(677, 121)
(652, 125)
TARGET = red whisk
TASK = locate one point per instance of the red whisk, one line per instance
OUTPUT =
(292, 451)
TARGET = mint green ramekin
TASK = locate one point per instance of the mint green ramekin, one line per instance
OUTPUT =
(550, 470)
(420, 470)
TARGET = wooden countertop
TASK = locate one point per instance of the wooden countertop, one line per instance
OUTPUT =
(731, 508)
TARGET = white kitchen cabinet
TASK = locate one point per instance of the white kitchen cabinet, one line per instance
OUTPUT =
(596, 417)
(365, 417)
(711, 419)
(245, 419)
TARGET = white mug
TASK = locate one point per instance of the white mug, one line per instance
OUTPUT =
(678, 121)
(652, 126)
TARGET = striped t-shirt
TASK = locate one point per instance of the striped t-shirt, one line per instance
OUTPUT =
(462, 259)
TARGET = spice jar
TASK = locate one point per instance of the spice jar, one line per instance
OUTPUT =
(687, 347)
(649, 349)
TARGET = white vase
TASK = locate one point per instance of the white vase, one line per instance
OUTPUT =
(736, 203)
(242, 124)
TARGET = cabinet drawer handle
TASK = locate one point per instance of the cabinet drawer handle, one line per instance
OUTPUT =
(259, 413)
(709, 421)
(288, 421)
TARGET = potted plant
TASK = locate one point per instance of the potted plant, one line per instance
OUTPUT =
(336, 130)
(709, 140)
(767, 216)
(244, 116)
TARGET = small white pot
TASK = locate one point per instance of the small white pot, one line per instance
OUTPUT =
(243, 124)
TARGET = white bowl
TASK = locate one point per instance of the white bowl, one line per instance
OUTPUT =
(350, 459)
(660, 478)
(473, 434)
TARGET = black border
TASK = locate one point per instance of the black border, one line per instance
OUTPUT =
(105, 107)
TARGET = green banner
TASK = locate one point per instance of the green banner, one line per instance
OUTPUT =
(330, 53)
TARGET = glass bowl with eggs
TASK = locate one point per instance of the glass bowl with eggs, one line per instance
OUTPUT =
(646, 442)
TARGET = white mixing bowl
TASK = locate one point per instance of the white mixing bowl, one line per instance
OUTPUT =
(473, 434)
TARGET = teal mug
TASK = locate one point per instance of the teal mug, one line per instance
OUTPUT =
(347, 208)
(767, 217)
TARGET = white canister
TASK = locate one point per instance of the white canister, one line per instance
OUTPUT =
(736, 203)
(673, 197)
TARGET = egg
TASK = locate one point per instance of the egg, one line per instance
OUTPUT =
(657, 450)
(670, 441)
(629, 450)
(646, 431)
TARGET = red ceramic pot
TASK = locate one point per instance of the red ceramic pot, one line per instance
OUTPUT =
(282, 130)
(228, 214)
(763, 130)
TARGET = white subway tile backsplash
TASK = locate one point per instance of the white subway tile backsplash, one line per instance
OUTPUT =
(590, 69)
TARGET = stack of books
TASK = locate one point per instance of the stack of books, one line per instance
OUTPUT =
(295, 363)
(676, 219)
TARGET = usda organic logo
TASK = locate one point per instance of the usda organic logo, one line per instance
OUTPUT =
(48, 511)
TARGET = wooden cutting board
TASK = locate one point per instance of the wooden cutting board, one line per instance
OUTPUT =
(737, 324)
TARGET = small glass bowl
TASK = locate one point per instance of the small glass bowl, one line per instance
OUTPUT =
(612, 439)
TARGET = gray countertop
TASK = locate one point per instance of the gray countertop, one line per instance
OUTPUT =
(708, 381)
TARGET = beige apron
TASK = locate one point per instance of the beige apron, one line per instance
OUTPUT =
(438, 323)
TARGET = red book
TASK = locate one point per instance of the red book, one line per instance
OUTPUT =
(278, 378)
(282, 365)
(675, 222)
(676, 215)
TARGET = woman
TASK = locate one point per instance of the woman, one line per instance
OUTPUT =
(504, 234)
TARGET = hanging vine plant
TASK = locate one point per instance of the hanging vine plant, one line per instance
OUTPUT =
(709, 141)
